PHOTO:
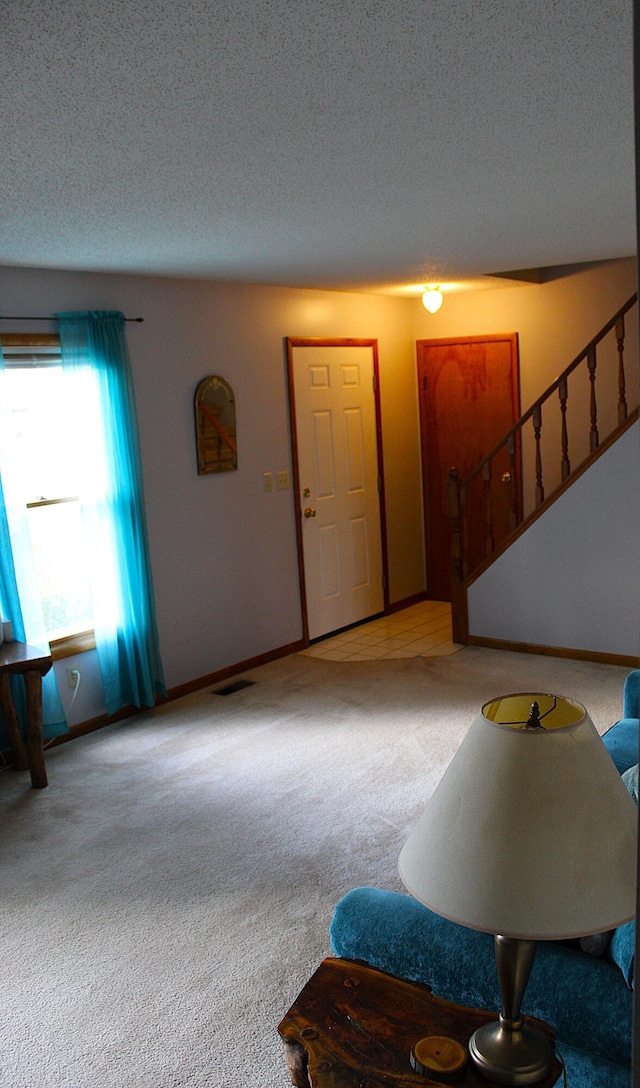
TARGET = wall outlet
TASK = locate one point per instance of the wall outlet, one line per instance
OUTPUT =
(73, 676)
(283, 480)
(267, 481)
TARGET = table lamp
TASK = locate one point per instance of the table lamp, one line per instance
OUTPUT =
(530, 835)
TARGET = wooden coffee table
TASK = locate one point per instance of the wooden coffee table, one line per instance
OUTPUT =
(354, 1027)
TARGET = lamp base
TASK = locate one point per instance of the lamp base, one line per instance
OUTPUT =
(508, 1056)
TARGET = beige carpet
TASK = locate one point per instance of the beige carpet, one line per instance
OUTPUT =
(166, 897)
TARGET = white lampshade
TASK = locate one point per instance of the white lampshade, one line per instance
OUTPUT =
(531, 832)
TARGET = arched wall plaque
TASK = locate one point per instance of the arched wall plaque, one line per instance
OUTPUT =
(216, 442)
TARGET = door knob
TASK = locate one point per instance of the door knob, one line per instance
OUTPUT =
(506, 477)
(309, 512)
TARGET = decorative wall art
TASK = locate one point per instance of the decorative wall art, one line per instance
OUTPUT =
(216, 442)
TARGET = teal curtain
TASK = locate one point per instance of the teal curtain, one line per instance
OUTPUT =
(20, 603)
(94, 354)
(8, 585)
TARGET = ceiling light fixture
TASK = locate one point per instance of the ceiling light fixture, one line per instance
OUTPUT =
(432, 299)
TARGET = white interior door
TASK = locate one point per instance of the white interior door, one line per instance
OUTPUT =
(338, 480)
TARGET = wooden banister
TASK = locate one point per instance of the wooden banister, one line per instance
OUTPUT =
(517, 427)
(512, 441)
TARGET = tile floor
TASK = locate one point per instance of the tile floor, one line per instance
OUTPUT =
(422, 630)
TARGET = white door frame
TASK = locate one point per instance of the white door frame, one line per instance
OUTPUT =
(337, 342)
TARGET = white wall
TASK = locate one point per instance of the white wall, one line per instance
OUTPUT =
(223, 552)
(572, 579)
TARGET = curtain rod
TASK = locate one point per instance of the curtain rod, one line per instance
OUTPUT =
(2, 318)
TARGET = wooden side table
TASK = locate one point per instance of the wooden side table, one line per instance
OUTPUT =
(355, 1027)
(33, 664)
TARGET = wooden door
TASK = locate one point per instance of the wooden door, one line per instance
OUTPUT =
(338, 481)
(469, 400)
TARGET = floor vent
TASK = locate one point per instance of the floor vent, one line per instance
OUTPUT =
(238, 685)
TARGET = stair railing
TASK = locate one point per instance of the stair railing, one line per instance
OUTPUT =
(513, 442)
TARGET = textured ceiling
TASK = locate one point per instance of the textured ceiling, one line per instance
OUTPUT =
(358, 143)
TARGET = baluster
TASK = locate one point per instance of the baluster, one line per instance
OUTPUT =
(454, 505)
(513, 500)
(622, 400)
(565, 463)
(489, 542)
(537, 427)
(594, 439)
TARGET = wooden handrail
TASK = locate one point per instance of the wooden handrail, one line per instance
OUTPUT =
(591, 346)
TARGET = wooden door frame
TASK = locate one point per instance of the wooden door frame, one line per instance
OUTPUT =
(441, 341)
(292, 342)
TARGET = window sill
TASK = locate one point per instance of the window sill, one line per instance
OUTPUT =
(72, 644)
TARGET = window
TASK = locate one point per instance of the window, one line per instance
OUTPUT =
(40, 417)
(73, 432)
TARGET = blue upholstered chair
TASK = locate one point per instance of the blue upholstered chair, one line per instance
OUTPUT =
(622, 739)
(588, 1000)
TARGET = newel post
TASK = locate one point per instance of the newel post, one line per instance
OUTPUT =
(455, 506)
